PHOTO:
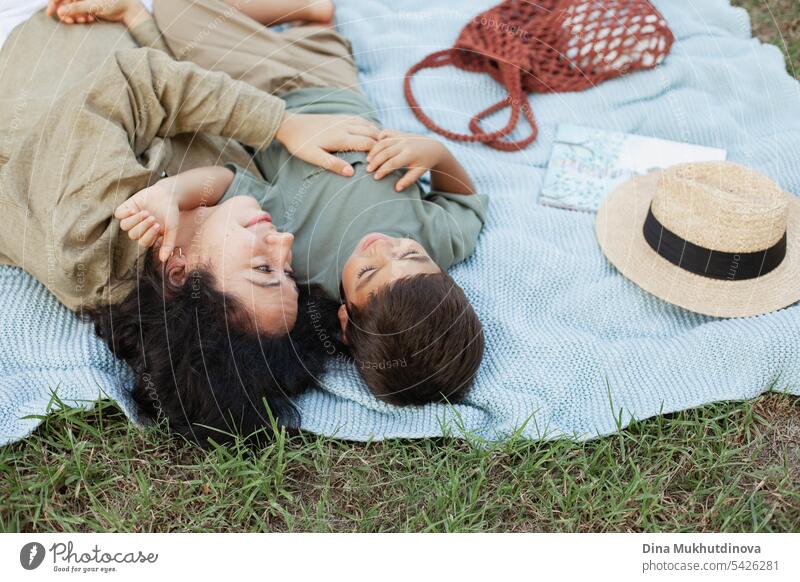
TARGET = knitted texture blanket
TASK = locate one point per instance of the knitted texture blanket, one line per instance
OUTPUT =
(573, 349)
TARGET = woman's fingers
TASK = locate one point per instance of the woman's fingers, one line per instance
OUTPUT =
(168, 242)
(356, 121)
(388, 133)
(329, 162)
(365, 130)
(409, 178)
(138, 231)
(355, 143)
(128, 223)
(126, 209)
(150, 236)
(344, 140)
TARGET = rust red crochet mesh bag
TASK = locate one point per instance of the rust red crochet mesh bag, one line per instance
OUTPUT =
(548, 46)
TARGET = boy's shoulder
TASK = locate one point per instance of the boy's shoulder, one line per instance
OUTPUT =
(330, 101)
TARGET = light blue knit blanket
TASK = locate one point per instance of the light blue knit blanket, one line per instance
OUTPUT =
(573, 349)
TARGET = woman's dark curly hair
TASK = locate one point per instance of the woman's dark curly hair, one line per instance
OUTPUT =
(201, 370)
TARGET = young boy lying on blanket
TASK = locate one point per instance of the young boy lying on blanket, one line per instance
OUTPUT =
(376, 238)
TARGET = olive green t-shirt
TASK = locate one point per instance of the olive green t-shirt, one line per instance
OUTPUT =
(328, 214)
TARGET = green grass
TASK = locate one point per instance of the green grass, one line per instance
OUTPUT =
(723, 467)
(777, 22)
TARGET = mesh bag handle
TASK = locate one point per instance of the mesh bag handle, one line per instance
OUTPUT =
(546, 47)
(516, 100)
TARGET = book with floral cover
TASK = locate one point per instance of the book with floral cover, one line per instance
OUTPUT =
(588, 163)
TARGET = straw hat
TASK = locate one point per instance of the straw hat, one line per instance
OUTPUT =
(712, 237)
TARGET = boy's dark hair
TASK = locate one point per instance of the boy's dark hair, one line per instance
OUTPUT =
(201, 369)
(417, 340)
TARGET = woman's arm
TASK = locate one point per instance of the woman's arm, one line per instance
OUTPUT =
(309, 137)
(168, 97)
(198, 187)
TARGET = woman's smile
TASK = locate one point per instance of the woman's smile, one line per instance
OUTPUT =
(258, 218)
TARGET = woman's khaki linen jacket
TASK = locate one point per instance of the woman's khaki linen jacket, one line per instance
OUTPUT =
(88, 118)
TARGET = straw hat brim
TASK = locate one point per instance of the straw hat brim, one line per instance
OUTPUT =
(619, 232)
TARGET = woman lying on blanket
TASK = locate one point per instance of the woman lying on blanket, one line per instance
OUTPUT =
(211, 331)
(414, 335)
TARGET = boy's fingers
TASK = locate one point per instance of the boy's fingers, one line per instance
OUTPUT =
(382, 157)
(409, 178)
(150, 236)
(138, 231)
(393, 163)
(376, 150)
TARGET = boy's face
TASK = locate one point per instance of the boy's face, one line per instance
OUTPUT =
(379, 260)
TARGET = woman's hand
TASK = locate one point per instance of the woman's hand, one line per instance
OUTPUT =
(312, 138)
(156, 211)
(151, 214)
(396, 150)
(129, 12)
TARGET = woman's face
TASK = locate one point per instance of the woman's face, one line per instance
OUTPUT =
(251, 261)
(379, 260)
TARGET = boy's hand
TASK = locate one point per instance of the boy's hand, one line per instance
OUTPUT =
(396, 150)
(149, 214)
